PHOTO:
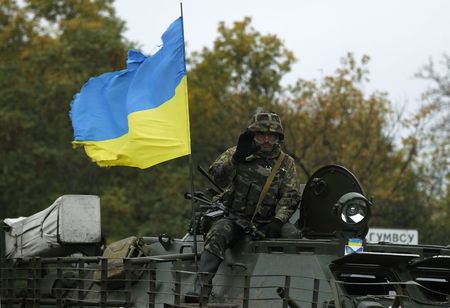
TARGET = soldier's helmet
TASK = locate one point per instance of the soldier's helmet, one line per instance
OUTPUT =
(266, 121)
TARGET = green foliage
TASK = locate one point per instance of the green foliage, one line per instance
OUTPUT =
(51, 47)
(41, 67)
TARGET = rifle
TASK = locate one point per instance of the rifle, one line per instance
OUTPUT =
(209, 178)
(218, 209)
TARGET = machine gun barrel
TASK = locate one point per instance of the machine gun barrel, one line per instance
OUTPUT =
(247, 226)
(210, 179)
(244, 224)
(197, 197)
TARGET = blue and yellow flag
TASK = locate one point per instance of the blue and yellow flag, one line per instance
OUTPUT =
(137, 116)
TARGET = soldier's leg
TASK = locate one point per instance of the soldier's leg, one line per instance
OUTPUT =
(218, 239)
(290, 231)
(221, 236)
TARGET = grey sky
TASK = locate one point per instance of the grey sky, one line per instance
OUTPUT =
(399, 35)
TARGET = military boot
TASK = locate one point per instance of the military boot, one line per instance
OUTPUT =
(209, 264)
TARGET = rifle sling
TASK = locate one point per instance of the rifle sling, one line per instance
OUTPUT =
(268, 182)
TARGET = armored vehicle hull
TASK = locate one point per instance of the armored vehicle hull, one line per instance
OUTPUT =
(270, 273)
(327, 265)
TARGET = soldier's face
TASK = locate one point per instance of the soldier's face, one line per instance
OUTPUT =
(266, 141)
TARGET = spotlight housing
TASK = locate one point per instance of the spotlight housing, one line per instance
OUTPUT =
(353, 210)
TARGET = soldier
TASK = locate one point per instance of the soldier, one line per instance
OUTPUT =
(244, 170)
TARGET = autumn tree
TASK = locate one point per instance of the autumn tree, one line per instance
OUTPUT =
(329, 121)
(49, 49)
(434, 122)
(242, 71)
(335, 122)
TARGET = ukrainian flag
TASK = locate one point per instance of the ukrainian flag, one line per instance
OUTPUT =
(137, 116)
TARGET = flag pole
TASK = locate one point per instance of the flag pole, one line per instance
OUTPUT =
(191, 168)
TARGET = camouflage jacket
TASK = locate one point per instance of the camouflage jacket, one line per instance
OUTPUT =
(245, 181)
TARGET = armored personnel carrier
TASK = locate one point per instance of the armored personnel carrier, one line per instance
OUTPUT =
(55, 259)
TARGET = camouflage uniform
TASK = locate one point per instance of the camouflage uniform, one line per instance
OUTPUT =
(245, 182)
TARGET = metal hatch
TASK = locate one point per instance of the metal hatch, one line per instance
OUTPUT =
(321, 193)
(376, 258)
(433, 274)
(433, 262)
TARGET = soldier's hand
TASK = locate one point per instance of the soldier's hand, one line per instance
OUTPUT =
(273, 228)
(245, 146)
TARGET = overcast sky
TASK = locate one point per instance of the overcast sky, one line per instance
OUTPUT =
(399, 35)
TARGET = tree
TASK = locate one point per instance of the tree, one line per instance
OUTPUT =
(226, 83)
(434, 168)
(334, 122)
(435, 122)
(49, 49)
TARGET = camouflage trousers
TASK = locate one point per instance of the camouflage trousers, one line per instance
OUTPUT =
(224, 233)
